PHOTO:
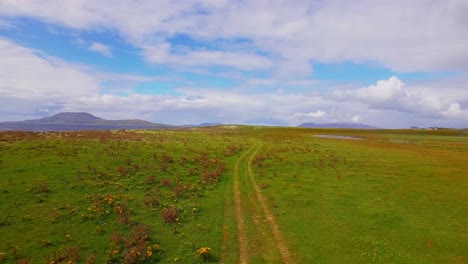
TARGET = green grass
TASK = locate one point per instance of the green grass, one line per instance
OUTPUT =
(374, 200)
(398, 196)
(77, 171)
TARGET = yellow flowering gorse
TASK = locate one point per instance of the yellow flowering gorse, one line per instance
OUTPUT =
(204, 252)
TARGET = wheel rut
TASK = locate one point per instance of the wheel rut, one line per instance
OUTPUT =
(241, 228)
(280, 240)
(243, 203)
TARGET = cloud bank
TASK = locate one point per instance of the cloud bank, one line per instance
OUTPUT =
(269, 48)
(424, 35)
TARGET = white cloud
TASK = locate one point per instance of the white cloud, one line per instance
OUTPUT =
(423, 35)
(29, 74)
(28, 95)
(355, 118)
(161, 54)
(35, 84)
(101, 48)
(293, 69)
(316, 114)
(455, 111)
(427, 102)
(383, 94)
(261, 82)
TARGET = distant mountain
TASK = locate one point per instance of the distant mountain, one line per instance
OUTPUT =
(209, 124)
(337, 125)
(69, 121)
(203, 125)
(68, 118)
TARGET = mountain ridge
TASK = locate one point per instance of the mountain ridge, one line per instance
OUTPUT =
(67, 121)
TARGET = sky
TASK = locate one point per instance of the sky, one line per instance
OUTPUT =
(391, 64)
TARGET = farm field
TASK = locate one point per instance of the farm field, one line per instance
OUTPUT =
(234, 194)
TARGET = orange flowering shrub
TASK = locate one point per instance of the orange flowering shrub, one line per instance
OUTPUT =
(204, 252)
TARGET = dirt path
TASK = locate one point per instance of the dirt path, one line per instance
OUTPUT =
(252, 213)
(241, 229)
(280, 241)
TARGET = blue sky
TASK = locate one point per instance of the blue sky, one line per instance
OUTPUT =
(392, 64)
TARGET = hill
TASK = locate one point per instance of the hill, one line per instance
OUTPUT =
(78, 121)
(337, 125)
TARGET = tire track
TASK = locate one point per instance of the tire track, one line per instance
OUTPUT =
(280, 241)
(241, 229)
(243, 168)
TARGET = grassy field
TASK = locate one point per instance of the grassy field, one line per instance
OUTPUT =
(249, 194)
